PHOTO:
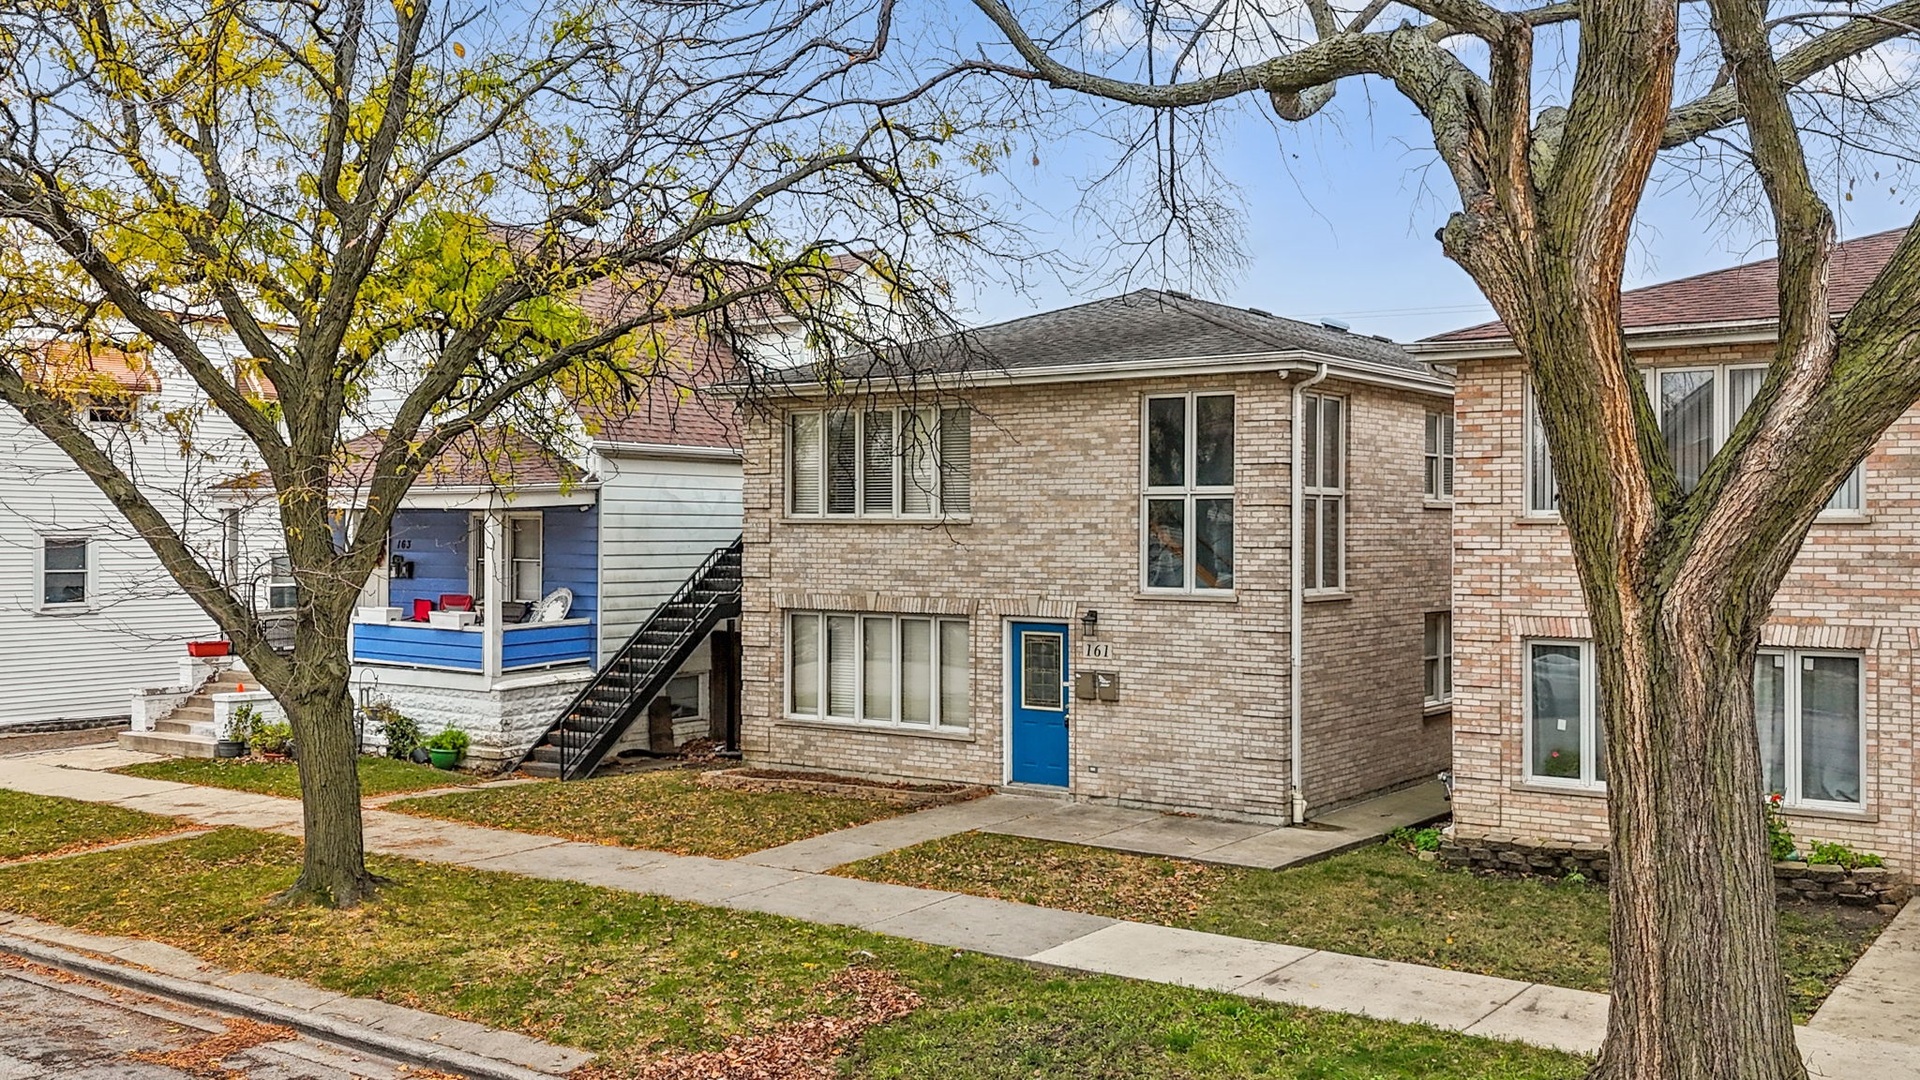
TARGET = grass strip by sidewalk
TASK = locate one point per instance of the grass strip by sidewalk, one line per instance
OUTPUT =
(633, 978)
(378, 775)
(1376, 901)
(32, 825)
(666, 810)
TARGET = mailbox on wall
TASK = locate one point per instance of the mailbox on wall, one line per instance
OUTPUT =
(1096, 686)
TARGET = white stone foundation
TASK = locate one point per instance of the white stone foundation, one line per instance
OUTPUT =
(503, 719)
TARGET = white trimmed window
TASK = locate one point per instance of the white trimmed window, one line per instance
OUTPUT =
(1437, 656)
(685, 693)
(282, 593)
(66, 566)
(524, 553)
(904, 670)
(1187, 505)
(1698, 408)
(880, 463)
(1324, 493)
(1808, 706)
(1439, 457)
(1566, 740)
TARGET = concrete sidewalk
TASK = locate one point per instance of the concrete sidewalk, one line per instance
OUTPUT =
(1477, 1004)
(1139, 832)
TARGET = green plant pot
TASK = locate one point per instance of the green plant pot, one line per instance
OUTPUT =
(444, 759)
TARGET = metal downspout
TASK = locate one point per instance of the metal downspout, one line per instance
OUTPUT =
(1297, 606)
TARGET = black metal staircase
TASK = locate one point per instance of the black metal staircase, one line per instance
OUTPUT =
(623, 687)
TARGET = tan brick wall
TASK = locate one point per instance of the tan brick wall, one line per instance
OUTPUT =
(1201, 723)
(1856, 586)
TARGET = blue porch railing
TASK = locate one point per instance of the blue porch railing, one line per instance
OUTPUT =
(523, 646)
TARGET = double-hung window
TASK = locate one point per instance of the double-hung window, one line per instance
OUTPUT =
(1439, 457)
(1324, 493)
(282, 593)
(1565, 738)
(1807, 705)
(1698, 408)
(524, 554)
(1437, 656)
(880, 463)
(65, 564)
(906, 670)
(1187, 505)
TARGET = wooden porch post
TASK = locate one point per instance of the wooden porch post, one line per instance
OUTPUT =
(494, 571)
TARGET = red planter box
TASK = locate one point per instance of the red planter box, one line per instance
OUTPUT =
(209, 648)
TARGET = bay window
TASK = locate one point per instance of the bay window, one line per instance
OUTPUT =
(1187, 505)
(905, 670)
(879, 463)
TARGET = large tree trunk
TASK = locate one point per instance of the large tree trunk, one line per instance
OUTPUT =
(1697, 989)
(320, 708)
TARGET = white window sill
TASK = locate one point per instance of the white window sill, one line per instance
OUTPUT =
(844, 519)
(1431, 503)
(1830, 813)
(1211, 596)
(63, 609)
(1435, 708)
(1843, 518)
(911, 731)
(1549, 787)
(1323, 596)
(1532, 520)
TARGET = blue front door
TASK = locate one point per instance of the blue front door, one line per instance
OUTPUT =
(1039, 689)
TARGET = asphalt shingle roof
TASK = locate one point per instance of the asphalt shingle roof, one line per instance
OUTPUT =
(1143, 326)
(1749, 292)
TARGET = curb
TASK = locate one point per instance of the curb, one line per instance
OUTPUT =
(219, 999)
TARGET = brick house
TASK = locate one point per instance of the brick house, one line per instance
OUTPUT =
(983, 573)
(1833, 684)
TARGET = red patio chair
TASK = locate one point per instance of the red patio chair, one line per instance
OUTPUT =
(456, 602)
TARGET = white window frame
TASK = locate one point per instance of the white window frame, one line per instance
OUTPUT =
(937, 722)
(1534, 465)
(277, 580)
(1443, 658)
(1189, 491)
(699, 693)
(1437, 477)
(1314, 494)
(1723, 424)
(1589, 717)
(477, 549)
(1791, 734)
(90, 573)
(230, 547)
(902, 417)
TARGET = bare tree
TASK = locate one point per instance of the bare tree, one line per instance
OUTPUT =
(1677, 582)
(444, 195)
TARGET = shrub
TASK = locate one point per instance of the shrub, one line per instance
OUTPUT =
(400, 731)
(244, 723)
(1779, 837)
(450, 738)
(1821, 851)
(1416, 839)
(274, 738)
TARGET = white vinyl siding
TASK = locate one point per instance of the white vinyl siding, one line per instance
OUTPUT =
(913, 463)
(1324, 494)
(905, 671)
(1187, 500)
(659, 520)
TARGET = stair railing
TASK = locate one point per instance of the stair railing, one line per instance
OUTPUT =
(587, 751)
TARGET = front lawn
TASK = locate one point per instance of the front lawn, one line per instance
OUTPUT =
(44, 825)
(378, 775)
(1376, 901)
(666, 810)
(634, 978)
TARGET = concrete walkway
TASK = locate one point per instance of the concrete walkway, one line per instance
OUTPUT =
(1140, 832)
(1533, 1013)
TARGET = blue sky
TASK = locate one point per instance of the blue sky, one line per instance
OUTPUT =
(1339, 221)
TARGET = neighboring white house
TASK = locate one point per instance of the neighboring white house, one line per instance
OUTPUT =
(87, 612)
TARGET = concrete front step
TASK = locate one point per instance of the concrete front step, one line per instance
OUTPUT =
(167, 742)
(546, 770)
(180, 727)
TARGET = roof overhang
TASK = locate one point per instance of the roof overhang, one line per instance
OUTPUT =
(616, 448)
(1283, 361)
(1675, 335)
